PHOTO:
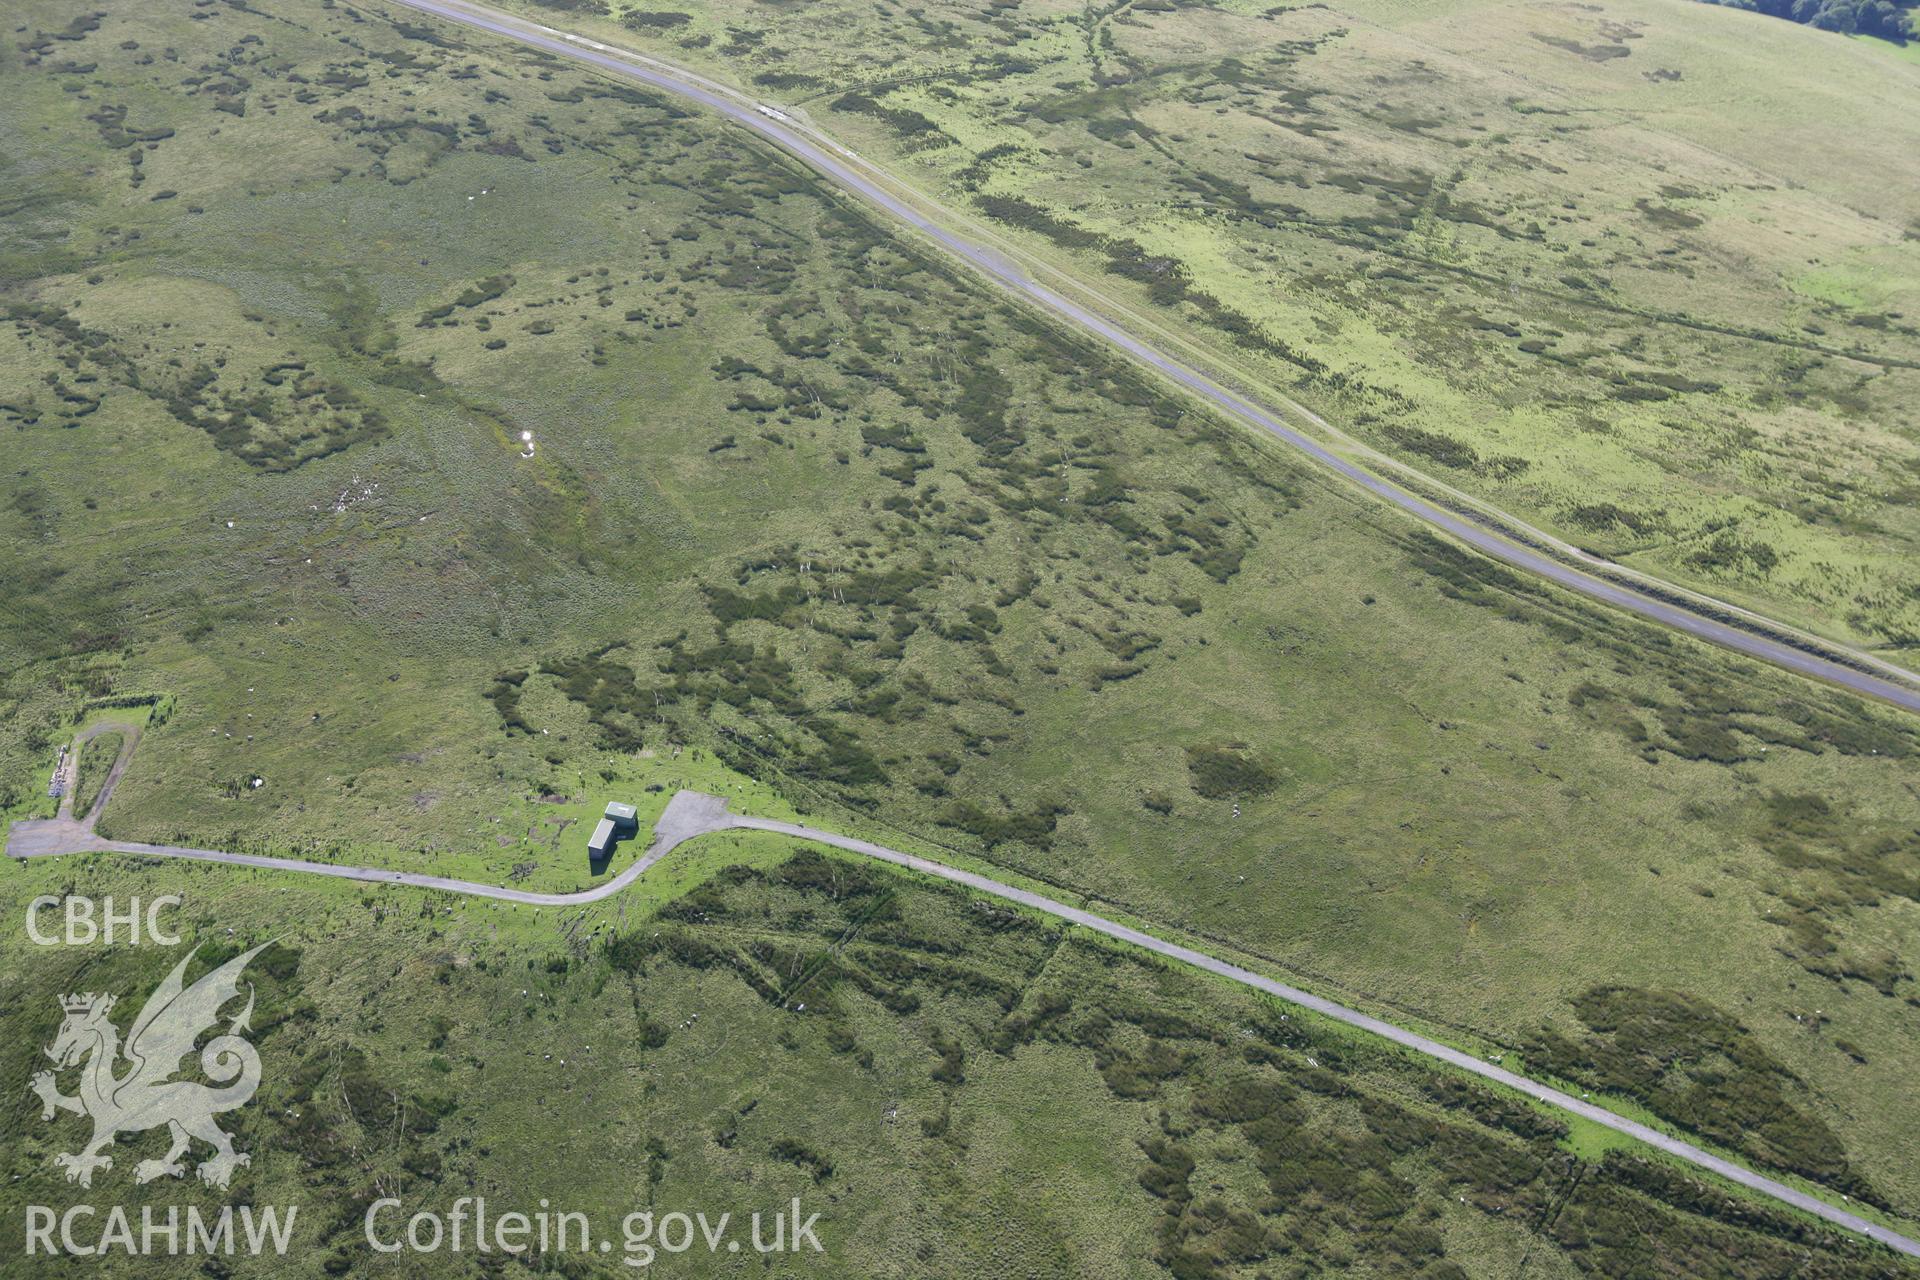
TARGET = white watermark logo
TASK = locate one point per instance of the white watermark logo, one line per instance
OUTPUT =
(169, 1232)
(145, 1094)
(86, 921)
(643, 1236)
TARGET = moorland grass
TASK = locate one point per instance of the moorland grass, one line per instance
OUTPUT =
(955, 1088)
(96, 762)
(1641, 273)
(802, 500)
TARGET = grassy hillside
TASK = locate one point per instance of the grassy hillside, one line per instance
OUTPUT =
(1644, 273)
(287, 287)
(955, 1090)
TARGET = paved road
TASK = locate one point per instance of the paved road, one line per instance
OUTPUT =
(691, 813)
(836, 163)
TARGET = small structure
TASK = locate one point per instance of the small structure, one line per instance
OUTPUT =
(619, 820)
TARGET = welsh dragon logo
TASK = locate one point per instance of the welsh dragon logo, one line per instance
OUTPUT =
(144, 1095)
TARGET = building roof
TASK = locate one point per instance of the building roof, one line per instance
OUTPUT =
(619, 811)
(602, 836)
